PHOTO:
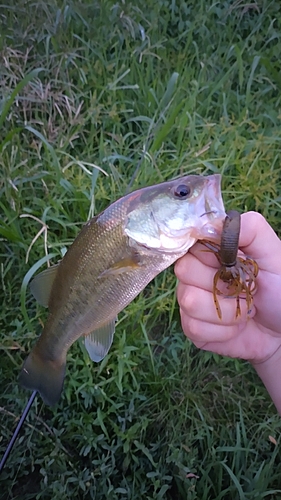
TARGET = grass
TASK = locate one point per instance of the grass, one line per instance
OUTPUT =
(98, 98)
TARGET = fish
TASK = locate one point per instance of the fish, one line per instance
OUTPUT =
(115, 255)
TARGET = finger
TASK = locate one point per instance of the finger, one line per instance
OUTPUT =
(234, 347)
(259, 241)
(244, 341)
(205, 254)
(202, 332)
(199, 304)
(197, 268)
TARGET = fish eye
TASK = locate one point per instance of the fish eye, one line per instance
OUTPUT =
(182, 191)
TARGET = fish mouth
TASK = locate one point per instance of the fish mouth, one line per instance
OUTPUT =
(214, 211)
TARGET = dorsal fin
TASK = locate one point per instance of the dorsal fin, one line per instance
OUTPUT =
(41, 285)
(99, 341)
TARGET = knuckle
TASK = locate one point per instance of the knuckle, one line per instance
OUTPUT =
(191, 328)
(180, 268)
(186, 296)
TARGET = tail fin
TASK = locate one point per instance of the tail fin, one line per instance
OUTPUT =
(44, 376)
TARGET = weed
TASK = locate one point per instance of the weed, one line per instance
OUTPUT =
(98, 98)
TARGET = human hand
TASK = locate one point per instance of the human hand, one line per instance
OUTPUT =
(255, 337)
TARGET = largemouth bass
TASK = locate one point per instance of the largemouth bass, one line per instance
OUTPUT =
(113, 258)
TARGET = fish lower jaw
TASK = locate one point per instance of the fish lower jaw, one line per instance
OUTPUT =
(178, 245)
(168, 245)
(165, 244)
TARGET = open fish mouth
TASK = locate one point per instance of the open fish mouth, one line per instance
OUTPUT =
(214, 213)
(212, 229)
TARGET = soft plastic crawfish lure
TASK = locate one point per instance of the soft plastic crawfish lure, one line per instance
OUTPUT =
(239, 273)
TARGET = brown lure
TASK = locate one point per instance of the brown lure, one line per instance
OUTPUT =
(239, 273)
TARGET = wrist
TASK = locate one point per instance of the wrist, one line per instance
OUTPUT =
(273, 357)
(269, 371)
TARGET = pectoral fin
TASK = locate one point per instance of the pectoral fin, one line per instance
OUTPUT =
(123, 266)
(42, 284)
(99, 341)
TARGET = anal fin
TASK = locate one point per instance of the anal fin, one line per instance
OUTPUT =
(99, 341)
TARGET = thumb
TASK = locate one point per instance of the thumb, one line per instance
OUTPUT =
(260, 242)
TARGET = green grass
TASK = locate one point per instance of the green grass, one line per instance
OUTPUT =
(98, 99)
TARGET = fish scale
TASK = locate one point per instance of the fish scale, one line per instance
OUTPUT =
(108, 303)
(113, 258)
